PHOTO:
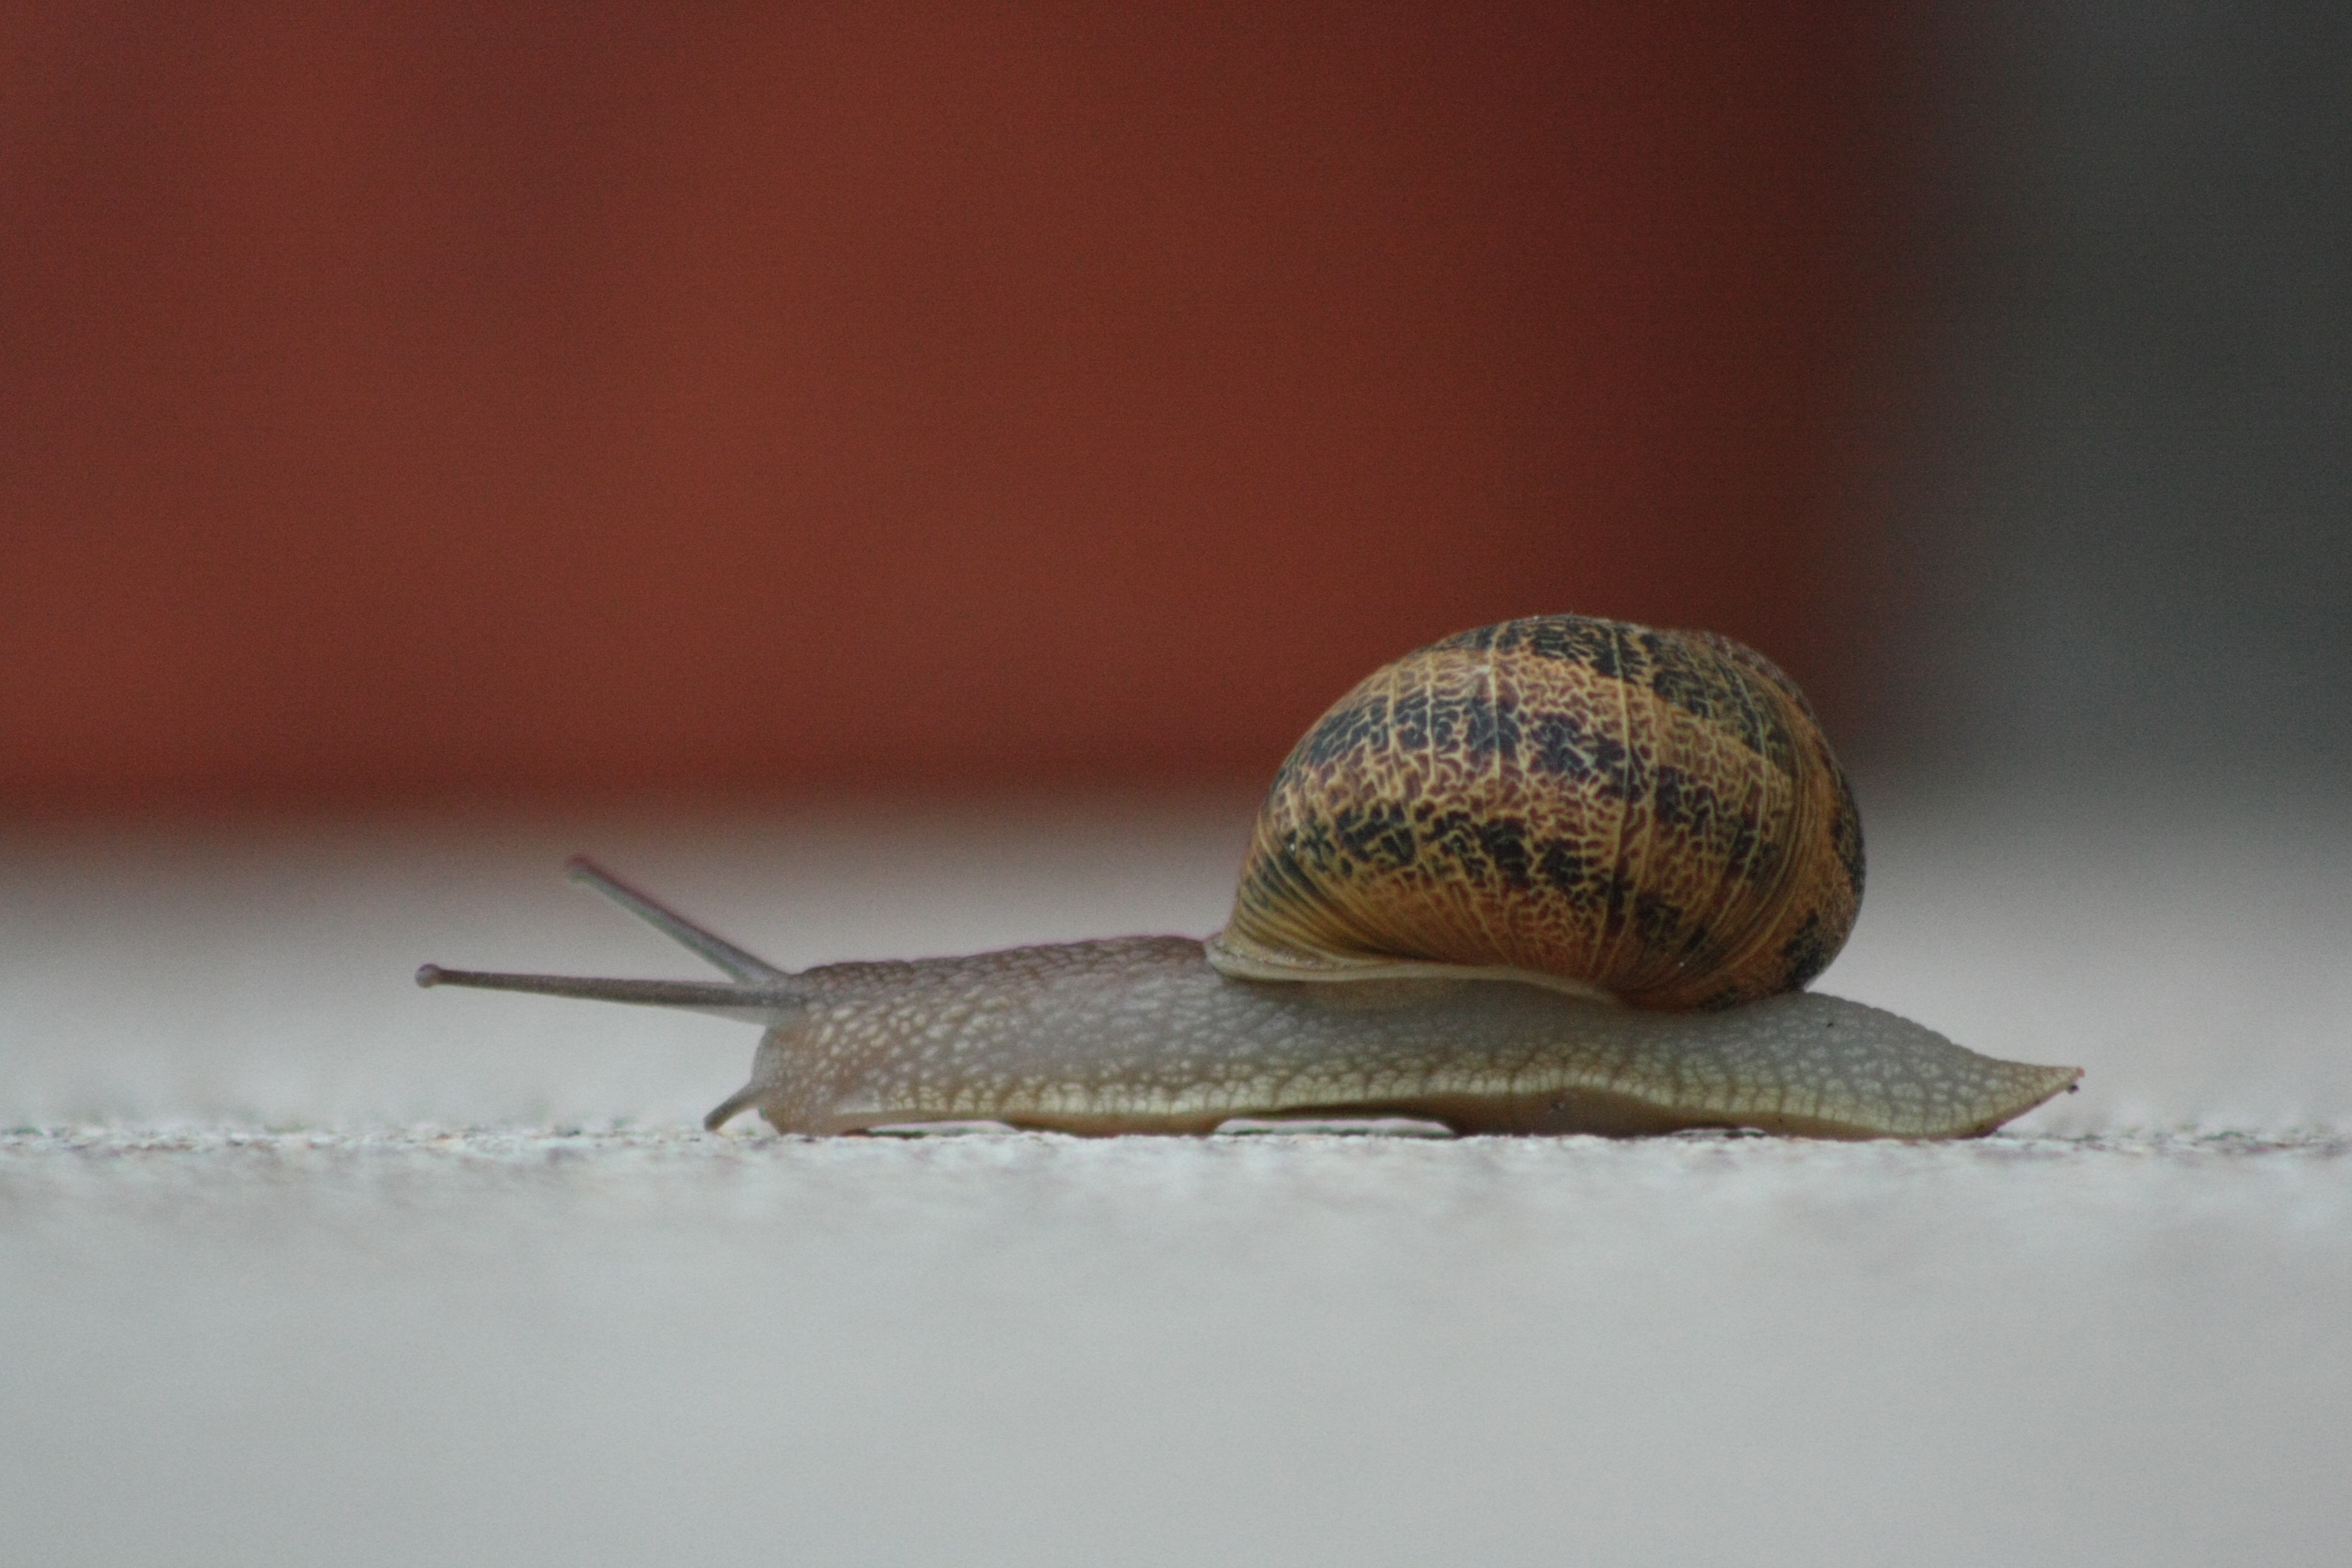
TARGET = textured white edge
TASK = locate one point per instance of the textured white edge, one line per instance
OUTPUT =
(510, 1142)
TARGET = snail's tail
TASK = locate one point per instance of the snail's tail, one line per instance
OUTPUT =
(758, 1003)
(671, 923)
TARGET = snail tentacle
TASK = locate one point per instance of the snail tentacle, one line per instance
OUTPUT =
(725, 999)
(722, 954)
(759, 990)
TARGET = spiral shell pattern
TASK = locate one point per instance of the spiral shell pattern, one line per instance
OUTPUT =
(1651, 814)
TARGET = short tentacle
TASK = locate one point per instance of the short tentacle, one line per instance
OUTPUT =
(735, 1104)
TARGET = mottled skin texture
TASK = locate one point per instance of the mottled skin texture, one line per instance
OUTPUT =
(1142, 1035)
(1652, 813)
(1139, 1034)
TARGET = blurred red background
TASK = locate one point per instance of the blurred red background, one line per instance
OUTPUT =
(410, 402)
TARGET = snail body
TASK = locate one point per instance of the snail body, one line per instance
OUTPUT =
(1559, 875)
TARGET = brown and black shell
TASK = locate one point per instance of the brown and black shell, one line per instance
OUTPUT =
(1652, 813)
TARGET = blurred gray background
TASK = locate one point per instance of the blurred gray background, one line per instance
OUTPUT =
(2128, 491)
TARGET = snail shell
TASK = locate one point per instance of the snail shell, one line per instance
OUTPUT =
(1653, 815)
(1458, 876)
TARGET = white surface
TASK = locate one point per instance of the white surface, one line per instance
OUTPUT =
(2122, 1335)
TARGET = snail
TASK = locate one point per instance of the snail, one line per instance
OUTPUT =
(1554, 874)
